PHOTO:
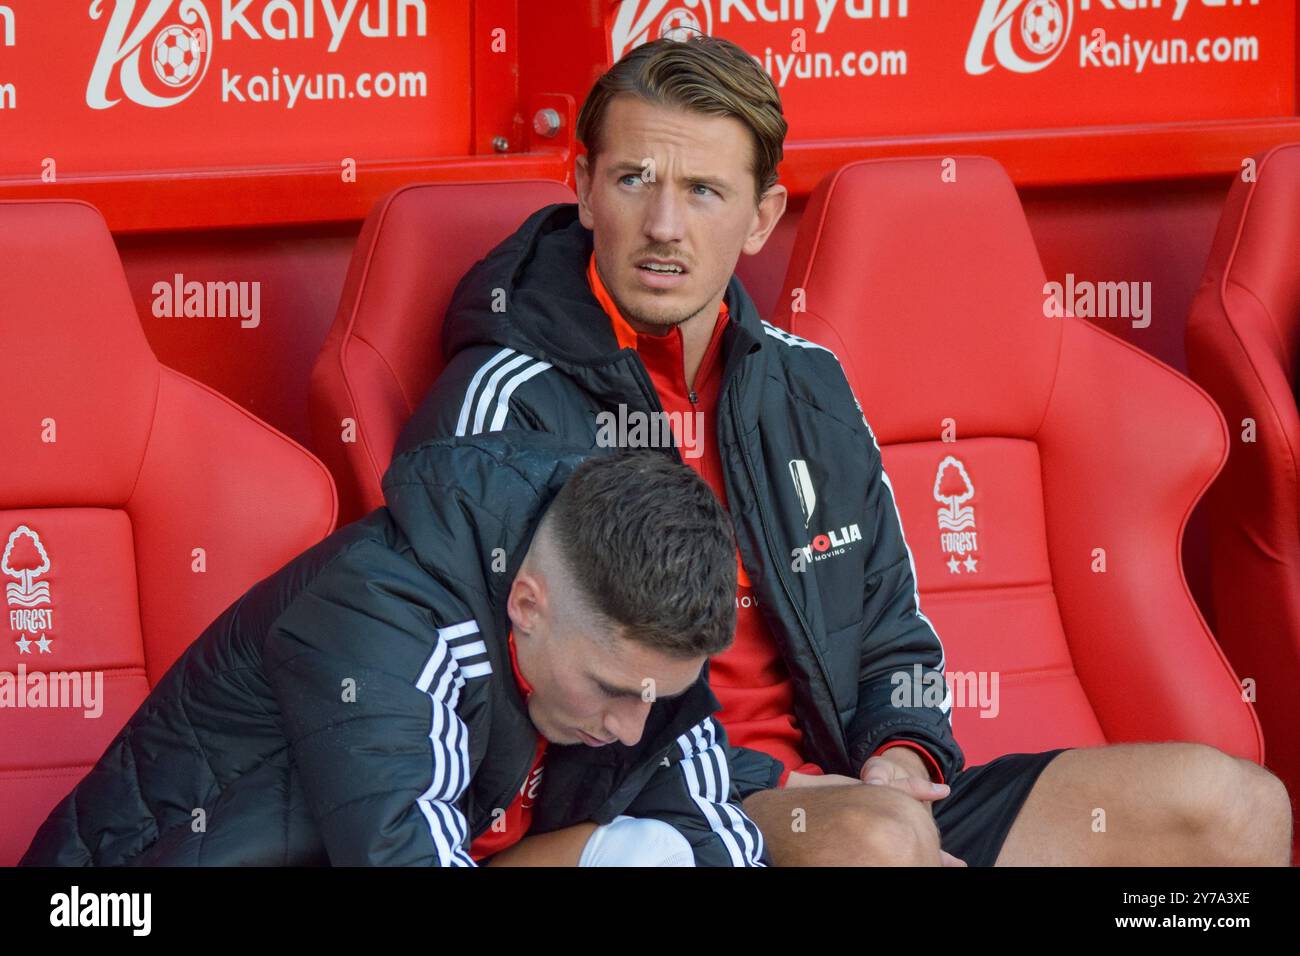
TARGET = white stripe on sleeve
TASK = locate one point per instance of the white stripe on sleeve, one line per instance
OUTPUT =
(463, 421)
(704, 768)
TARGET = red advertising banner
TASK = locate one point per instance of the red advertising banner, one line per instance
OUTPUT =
(113, 85)
(856, 68)
(193, 113)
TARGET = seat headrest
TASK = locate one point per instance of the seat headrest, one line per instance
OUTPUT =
(1257, 245)
(74, 360)
(414, 251)
(922, 275)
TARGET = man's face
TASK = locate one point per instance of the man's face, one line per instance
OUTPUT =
(696, 211)
(590, 685)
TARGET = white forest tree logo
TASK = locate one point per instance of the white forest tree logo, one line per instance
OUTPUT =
(637, 22)
(25, 558)
(162, 72)
(957, 534)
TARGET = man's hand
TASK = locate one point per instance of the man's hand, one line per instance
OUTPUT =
(770, 809)
(903, 769)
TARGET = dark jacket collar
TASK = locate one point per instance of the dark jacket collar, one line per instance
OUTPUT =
(551, 313)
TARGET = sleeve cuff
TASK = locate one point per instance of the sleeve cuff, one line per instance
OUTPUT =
(936, 773)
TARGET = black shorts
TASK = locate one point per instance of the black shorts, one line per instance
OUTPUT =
(973, 820)
(976, 816)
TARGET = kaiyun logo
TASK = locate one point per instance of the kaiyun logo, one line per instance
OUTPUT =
(1025, 35)
(158, 51)
(640, 21)
(163, 73)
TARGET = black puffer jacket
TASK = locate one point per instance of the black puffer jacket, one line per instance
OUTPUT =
(529, 346)
(359, 707)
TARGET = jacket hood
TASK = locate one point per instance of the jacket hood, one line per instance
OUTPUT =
(550, 311)
(465, 504)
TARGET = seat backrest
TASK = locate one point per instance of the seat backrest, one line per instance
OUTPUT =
(1043, 468)
(135, 505)
(384, 350)
(1243, 333)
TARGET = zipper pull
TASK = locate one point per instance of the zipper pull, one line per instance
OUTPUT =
(693, 397)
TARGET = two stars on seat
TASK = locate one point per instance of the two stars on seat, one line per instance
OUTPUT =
(24, 645)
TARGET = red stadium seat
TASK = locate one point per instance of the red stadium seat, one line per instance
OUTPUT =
(1045, 530)
(384, 350)
(135, 504)
(1242, 337)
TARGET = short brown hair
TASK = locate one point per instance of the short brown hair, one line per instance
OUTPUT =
(704, 74)
(651, 548)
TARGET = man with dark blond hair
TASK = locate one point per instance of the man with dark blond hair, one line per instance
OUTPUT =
(623, 307)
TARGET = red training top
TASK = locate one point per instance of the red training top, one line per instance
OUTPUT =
(750, 678)
(509, 829)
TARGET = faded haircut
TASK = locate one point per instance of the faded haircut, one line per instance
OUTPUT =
(650, 548)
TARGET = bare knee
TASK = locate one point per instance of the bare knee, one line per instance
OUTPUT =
(1239, 811)
(890, 829)
(855, 825)
(1263, 816)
